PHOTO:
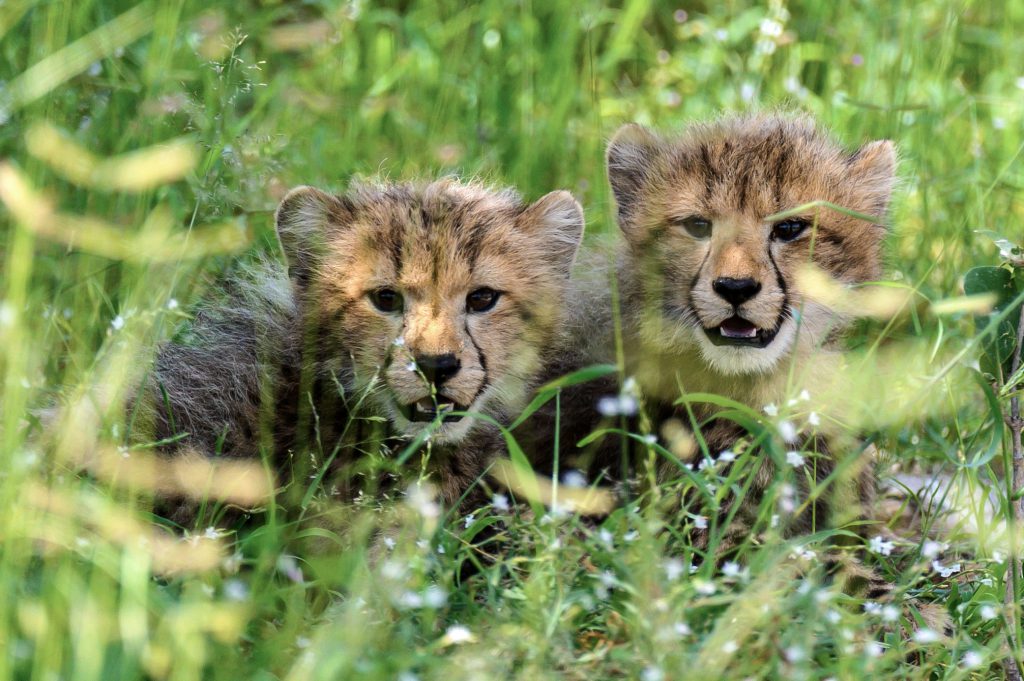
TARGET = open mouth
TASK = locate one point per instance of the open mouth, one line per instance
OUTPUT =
(427, 410)
(738, 331)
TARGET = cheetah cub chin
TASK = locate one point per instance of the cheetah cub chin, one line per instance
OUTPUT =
(709, 284)
(409, 303)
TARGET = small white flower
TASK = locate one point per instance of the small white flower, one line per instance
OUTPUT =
(172, 304)
(879, 545)
(606, 537)
(813, 419)
(794, 459)
(730, 647)
(628, 406)
(747, 92)
(440, 549)
(682, 629)
(774, 520)
(932, 548)
(833, 616)
(95, 69)
(411, 366)
(704, 587)
(6, 314)
(804, 396)
(771, 28)
(872, 608)
(705, 464)
(608, 406)
(468, 521)
(721, 35)
(787, 431)
(988, 612)
(700, 522)
(673, 569)
(731, 569)
(574, 478)
(872, 649)
(925, 636)
(693, 569)
(435, 597)
(630, 386)
(804, 553)
(608, 580)
(652, 674)
(117, 323)
(728, 456)
(987, 581)
(389, 543)
(421, 499)
(890, 613)
(457, 634)
(795, 654)
(500, 503)
(972, 659)
(236, 590)
(771, 409)
(945, 571)
(631, 536)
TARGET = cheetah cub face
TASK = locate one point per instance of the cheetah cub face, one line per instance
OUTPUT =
(717, 275)
(433, 299)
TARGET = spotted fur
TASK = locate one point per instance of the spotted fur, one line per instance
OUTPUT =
(735, 173)
(284, 359)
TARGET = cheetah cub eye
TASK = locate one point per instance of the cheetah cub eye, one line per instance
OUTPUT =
(696, 226)
(788, 230)
(482, 300)
(386, 300)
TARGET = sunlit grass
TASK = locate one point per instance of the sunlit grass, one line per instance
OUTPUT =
(144, 148)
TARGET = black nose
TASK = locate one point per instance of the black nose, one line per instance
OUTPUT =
(736, 291)
(438, 368)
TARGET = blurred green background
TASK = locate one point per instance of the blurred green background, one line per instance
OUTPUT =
(274, 94)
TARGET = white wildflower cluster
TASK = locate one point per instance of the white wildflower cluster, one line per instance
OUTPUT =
(499, 502)
(771, 31)
(933, 550)
(880, 545)
(457, 635)
(420, 498)
(787, 498)
(626, 403)
(945, 571)
(432, 597)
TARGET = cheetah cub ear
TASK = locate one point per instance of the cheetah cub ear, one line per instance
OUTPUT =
(872, 172)
(556, 219)
(304, 220)
(633, 158)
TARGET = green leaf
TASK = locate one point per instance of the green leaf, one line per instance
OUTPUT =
(547, 391)
(997, 348)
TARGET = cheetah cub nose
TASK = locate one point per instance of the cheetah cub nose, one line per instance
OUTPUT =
(736, 291)
(438, 368)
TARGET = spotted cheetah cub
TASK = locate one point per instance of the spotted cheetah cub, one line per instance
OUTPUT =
(708, 284)
(402, 307)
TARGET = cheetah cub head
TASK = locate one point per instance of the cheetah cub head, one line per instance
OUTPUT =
(432, 299)
(715, 272)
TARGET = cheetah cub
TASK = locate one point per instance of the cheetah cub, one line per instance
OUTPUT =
(710, 297)
(402, 307)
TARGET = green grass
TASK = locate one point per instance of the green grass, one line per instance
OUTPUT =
(520, 93)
